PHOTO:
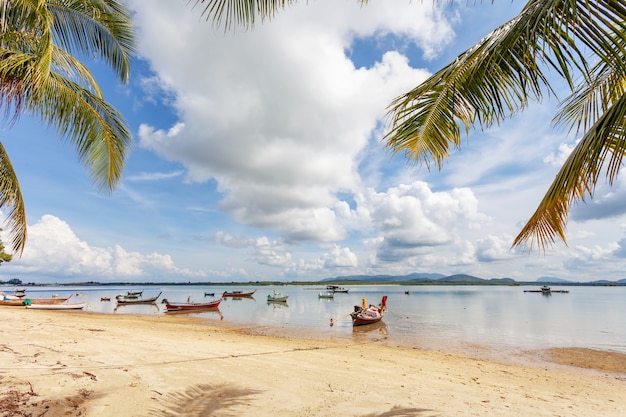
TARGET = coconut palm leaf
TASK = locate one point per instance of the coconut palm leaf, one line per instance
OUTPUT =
(40, 74)
(604, 144)
(498, 76)
(11, 197)
(97, 131)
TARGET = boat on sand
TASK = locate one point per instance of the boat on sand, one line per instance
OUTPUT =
(64, 306)
(365, 314)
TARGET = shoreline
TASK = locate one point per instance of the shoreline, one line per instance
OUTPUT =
(94, 364)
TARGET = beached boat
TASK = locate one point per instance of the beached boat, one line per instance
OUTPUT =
(277, 298)
(105, 298)
(365, 314)
(238, 294)
(64, 306)
(326, 295)
(191, 306)
(18, 301)
(123, 299)
(11, 302)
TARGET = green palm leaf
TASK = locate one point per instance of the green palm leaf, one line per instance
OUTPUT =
(40, 74)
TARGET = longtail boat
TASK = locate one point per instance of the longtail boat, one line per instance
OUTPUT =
(277, 298)
(238, 294)
(64, 306)
(10, 301)
(364, 314)
(191, 306)
(123, 299)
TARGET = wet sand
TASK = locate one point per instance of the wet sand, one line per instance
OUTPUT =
(60, 363)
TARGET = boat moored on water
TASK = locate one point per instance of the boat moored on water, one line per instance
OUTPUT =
(546, 290)
(124, 299)
(170, 307)
(337, 288)
(277, 298)
(238, 294)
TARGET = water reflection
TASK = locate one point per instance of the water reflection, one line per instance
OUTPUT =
(370, 332)
(203, 312)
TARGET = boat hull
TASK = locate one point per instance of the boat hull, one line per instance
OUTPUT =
(191, 306)
(238, 294)
(277, 299)
(123, 300)
(74, 306)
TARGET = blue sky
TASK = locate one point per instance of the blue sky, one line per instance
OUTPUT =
(257, 156)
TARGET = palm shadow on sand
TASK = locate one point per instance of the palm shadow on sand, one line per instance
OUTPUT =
(202, 400)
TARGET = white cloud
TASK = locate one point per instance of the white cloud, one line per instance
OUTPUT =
(280, 128)
(54, 250)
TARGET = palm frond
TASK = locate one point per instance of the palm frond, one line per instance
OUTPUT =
(97, 28)
(604, 144)
(97, 131)
(11, 198)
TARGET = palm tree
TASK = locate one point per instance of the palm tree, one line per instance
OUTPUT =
(40, 75)
(498, 77)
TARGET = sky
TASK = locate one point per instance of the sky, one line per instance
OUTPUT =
(258, 155)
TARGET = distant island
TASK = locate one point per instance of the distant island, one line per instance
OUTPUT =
(416, 278)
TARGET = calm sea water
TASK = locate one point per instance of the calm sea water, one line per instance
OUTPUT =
(430, 317)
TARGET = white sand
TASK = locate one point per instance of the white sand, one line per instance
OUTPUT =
(56, 363)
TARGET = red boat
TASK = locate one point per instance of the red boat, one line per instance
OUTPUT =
(238, 294)
(369, 314)
(191, 306)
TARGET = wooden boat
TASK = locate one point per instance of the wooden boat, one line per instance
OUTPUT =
(546, 290)
(64, 306)
(123, 299)
(238, 294)
(336, 288)
(191, 306)
(135, 294)
(16, 301)
(326, 295)
(364, 314)
(105, 298)
(49, 301)
(277, 298)
(13, 302)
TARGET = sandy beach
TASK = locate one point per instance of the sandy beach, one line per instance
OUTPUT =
(56, 363)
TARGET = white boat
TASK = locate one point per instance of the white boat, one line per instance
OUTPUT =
(64, 306)
(277, 298)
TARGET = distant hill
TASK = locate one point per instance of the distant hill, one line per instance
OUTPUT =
(461, 278)
(420, 277)
(415, 276)
(434, 278)
(553, 280)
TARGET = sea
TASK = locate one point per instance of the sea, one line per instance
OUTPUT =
(460, 318)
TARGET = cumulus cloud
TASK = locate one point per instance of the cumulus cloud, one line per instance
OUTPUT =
(411, 218)
(56, 250)
(281, 129)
